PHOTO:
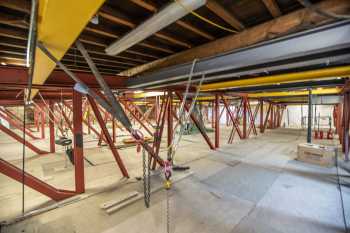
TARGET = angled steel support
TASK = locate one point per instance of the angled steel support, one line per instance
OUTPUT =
(134, 115)
(21, 140)
(252, 118)
(33, 182)
(85, 121)
(117, 111)
(198, 125)
(245, 110)
(66, 119)
(108, 137)
(16, 124)
(261, 115)
(233, 120)
(269, 110)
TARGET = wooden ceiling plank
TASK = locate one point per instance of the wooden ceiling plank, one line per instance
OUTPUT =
(150, 7)
(273, 8)
(285, 24)
(18, 5)
(119, 18)
(224, 14)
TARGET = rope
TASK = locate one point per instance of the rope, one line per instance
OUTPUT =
(205, 19)
(185, 118)
(341, 192)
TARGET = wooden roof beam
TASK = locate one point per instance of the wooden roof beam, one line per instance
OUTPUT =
(18, 5)
(220, 11)
(95, 52)
(290, 22)
(150, 7)
(273, 8)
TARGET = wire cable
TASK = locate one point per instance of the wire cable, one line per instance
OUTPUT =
(205, 19)
(341, 192)
(23, 149)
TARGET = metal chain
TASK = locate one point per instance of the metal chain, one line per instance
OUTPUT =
(146, 178)
(168, 210)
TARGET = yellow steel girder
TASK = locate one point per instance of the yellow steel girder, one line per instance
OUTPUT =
(59, 24)
(318, 91)
(342, 71)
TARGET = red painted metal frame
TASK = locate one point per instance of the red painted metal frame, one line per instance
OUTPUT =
(78, 143)
(346, 121)
(252, 118)
(134, 115)
(233, 119)
(33, 182)
(269, 110)
(16, 124)
(66, 119)
(52, 127)
(261, 125)
(217, 121)
(244, 120)
(21, 140)
(17, 119)
(170, 121)
(42, 124)
(160, 128)
(108, 137)
(85, 122)
(196, 122)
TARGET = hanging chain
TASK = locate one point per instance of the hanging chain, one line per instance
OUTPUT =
(168, 210)
(146, 177)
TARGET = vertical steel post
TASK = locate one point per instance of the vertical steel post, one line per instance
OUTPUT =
(245, 117)
(261, 116)
(78, 142)
(42, 122)
(212, 115)
(309, 118)
(52, 127)
(346, 125)
(217, 121)
(170, 121)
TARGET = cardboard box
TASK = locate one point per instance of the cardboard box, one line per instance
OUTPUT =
(317, 154)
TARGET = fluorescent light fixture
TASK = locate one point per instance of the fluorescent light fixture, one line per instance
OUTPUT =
(157, 22)
(3, 63)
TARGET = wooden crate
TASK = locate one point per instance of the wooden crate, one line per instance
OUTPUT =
(317, 154)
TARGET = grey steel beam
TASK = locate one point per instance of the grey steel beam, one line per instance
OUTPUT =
(317, 45)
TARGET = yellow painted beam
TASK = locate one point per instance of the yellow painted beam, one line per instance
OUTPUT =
(59, 24)
(342, 71)
(319, 91)
(140, 95)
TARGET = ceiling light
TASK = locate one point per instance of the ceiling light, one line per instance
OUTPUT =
(157, 22)
(3, 63)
